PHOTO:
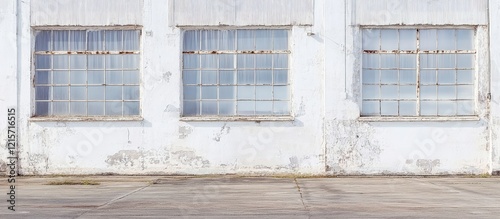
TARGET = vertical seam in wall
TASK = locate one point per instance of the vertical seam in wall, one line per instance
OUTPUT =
(18, 74)
(488, 108)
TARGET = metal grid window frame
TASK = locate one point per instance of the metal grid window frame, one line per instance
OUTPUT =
(79, 58)
(428, 58)
(232, 56)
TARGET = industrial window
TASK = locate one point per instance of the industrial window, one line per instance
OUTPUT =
(418, 72)
(235, 72)
(86, 73)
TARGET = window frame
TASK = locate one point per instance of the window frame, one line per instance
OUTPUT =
(285, 117)
(397, 118)
(69, 117)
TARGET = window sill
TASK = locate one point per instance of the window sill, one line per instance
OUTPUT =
(84, 119)
(237, 118)
(418, 119)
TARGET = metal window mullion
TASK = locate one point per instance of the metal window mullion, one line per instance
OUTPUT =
(418, 73)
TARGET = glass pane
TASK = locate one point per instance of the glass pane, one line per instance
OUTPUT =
(264, 107)
(96, 92)
(78, 108)
(131, 61)
(61, 93)
(191, 108)
(407, 61)
(264, 76)
(280, 39)
(428, 61)
(208, 61)
(370, 108)
(465, 107)
(227, 77)
(281, 108)
(78, 61)
(465, 39)
(389, 92)
(263, 61)
(96, 40)
(209, 92)
(209, 77)
(42, 41)
(78, 77)
(371, 76)
(61, 40)
(389, 108)
(95, 108)
(371, 92)
(114, 40)
(191, 92)
(407, 39)
(264, 93)
(96, 61)
(465, 92)
(446, 92)
(281, 92)
(113, 108)
(191, 40)
(446, 76)
(407, 108)
(428, 39)
(191, 61)
(227, 107)
(114, 77)
(113, 93)
(371, 39)
(428, 77)
(61, 61)
(227, 39)
(131, 77)
(465, 76)
(78, 93)
(226, 61)
(246, 92)
(408, 92)
(371, 61)
(130, 108)
(42, 108)
(263, 40)
(61, 77)
(246, 40)
(446, 108)
(407, 76)
(388, 61)
(113, 61)
(246, 77)
(428, 108)
(465, 61)
(389, 39)
(446, 39)
(43, 77)
(280, 76)
(227, 92)
(43, 62)
(60, 108)
(280, 60)
(246, 107)
(209, 40)
(131, 92)
(95, 77)
(246, 61)
(131, 40)
(209, 107)
(190, 77)
(446, 60)
(389, 77)
(78, 40)
(42, 93)
(428, 92)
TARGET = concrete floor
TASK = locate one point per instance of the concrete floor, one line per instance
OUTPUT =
(254, 197)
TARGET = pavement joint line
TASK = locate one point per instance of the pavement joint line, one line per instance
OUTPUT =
(300, 193)
(116, 199)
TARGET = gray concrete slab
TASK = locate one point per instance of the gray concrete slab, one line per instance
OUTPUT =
(255, 197)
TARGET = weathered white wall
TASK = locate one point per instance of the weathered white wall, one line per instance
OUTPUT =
(494, 23)
(326, 136)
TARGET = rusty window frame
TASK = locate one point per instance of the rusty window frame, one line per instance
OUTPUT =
(469, 108)
(130, 106)
(235, 52)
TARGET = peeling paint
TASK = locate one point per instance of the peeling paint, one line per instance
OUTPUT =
(184, 131)
(189, 158)
(427, 165)
(223, 131)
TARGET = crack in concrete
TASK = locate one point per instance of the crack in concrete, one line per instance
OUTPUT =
(301, 197)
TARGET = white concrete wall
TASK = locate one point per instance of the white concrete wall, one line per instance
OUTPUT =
(326, 136)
